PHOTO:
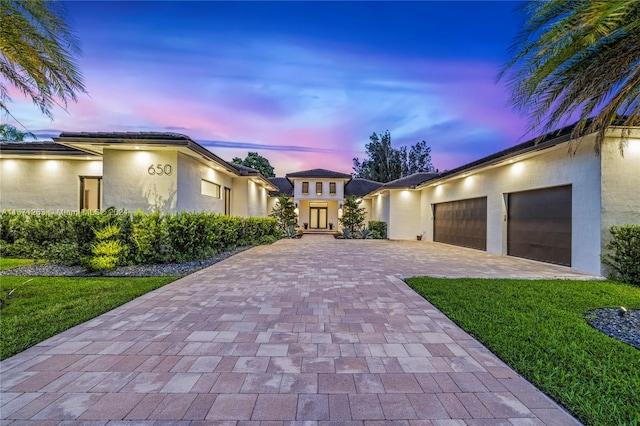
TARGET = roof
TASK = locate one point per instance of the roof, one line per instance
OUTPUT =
(127, 135)
(542, 142)
(284, 186)
(318, 173)
(38, 148)
(244, 170)
(361, 187)
(94, 142)
(410, 181)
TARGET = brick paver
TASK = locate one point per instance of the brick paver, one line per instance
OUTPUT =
(311, 331)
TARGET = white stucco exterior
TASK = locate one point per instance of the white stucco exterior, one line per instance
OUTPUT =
(128, 184)
(191, 172)
(44, 184)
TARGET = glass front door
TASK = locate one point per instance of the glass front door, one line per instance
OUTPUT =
(318, 218)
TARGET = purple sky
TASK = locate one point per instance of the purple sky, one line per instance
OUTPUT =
(303, 83)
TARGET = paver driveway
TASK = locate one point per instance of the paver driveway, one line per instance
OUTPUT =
(316, 330)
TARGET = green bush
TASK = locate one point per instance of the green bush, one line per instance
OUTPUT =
(143, 238)
(378, 229)
(624, 256)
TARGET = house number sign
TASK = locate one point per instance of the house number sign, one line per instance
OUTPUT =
(160, 169)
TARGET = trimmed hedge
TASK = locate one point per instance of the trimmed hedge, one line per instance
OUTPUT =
(146, 238)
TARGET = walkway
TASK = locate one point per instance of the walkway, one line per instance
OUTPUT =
(314, 330)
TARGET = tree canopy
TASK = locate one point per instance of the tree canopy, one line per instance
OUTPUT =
(578, 58)
(386, 163)
(256, 161)
(37, 54)
(9, 133)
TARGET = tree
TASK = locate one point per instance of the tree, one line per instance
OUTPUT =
(578, 58)
(386, 163)
(352, 214)
(9, 133)
(257, 162)
(37, 50)
(284, 212)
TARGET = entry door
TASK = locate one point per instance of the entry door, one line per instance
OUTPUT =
(318, 218)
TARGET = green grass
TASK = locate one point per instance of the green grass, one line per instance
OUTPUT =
(539, 329)
(6, 263)
(41, 307)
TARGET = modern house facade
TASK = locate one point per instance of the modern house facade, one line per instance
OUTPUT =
(535, 200)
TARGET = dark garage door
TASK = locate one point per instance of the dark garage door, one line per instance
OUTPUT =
(539, 225)
(461, 223)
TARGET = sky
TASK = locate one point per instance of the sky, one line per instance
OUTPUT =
(302, 83)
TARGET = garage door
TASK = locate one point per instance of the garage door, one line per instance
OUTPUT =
(461, 223)
(539, 225)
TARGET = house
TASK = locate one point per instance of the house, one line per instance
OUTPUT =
(551, 200)
(318, 195)
(147, 171)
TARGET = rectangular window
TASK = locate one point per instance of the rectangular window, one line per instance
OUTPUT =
(90, 193)
(305, 188)
(210, 189)
(318, 188)
(227, 201)
(332, 188)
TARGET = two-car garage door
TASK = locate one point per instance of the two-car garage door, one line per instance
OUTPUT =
(538, 224)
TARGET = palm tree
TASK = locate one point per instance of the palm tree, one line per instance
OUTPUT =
(578, 59)
(37, 50)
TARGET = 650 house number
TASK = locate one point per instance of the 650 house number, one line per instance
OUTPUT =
(160, 169)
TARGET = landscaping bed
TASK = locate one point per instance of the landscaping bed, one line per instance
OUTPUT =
(540, 328)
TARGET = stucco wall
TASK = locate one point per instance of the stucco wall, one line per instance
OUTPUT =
(128, 183)
(190, 174)
(257, 200)
(298, 195)
(552, 167)
(49, 184)
(404, 214)
(620, 186)
(380, 208)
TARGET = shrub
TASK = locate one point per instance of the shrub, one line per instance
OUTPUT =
(142, 238)
(624, 256)
(284, 212)
(353, 215)
(378, 229)
(106, 250)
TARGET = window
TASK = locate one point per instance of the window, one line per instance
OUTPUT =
(332, 188)
(210, 189)
(318, 188)
(90, 193)
(227, 201)
(305, 187)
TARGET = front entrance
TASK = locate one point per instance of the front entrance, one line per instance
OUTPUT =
(318, 218)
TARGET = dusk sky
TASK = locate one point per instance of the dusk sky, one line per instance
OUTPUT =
(303, 83)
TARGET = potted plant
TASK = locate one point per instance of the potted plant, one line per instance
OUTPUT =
(330, 225)
(306, 225)
(419, 236)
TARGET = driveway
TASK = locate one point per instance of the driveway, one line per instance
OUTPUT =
(314, 330)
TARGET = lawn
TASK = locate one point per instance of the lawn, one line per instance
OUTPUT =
(6, 263)
(41, 307)
(539, 329)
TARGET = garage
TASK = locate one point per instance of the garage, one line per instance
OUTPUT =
(539, 225)
(461, 223)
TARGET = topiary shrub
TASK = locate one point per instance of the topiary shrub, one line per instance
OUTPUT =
(106, 250)
(624, 256)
